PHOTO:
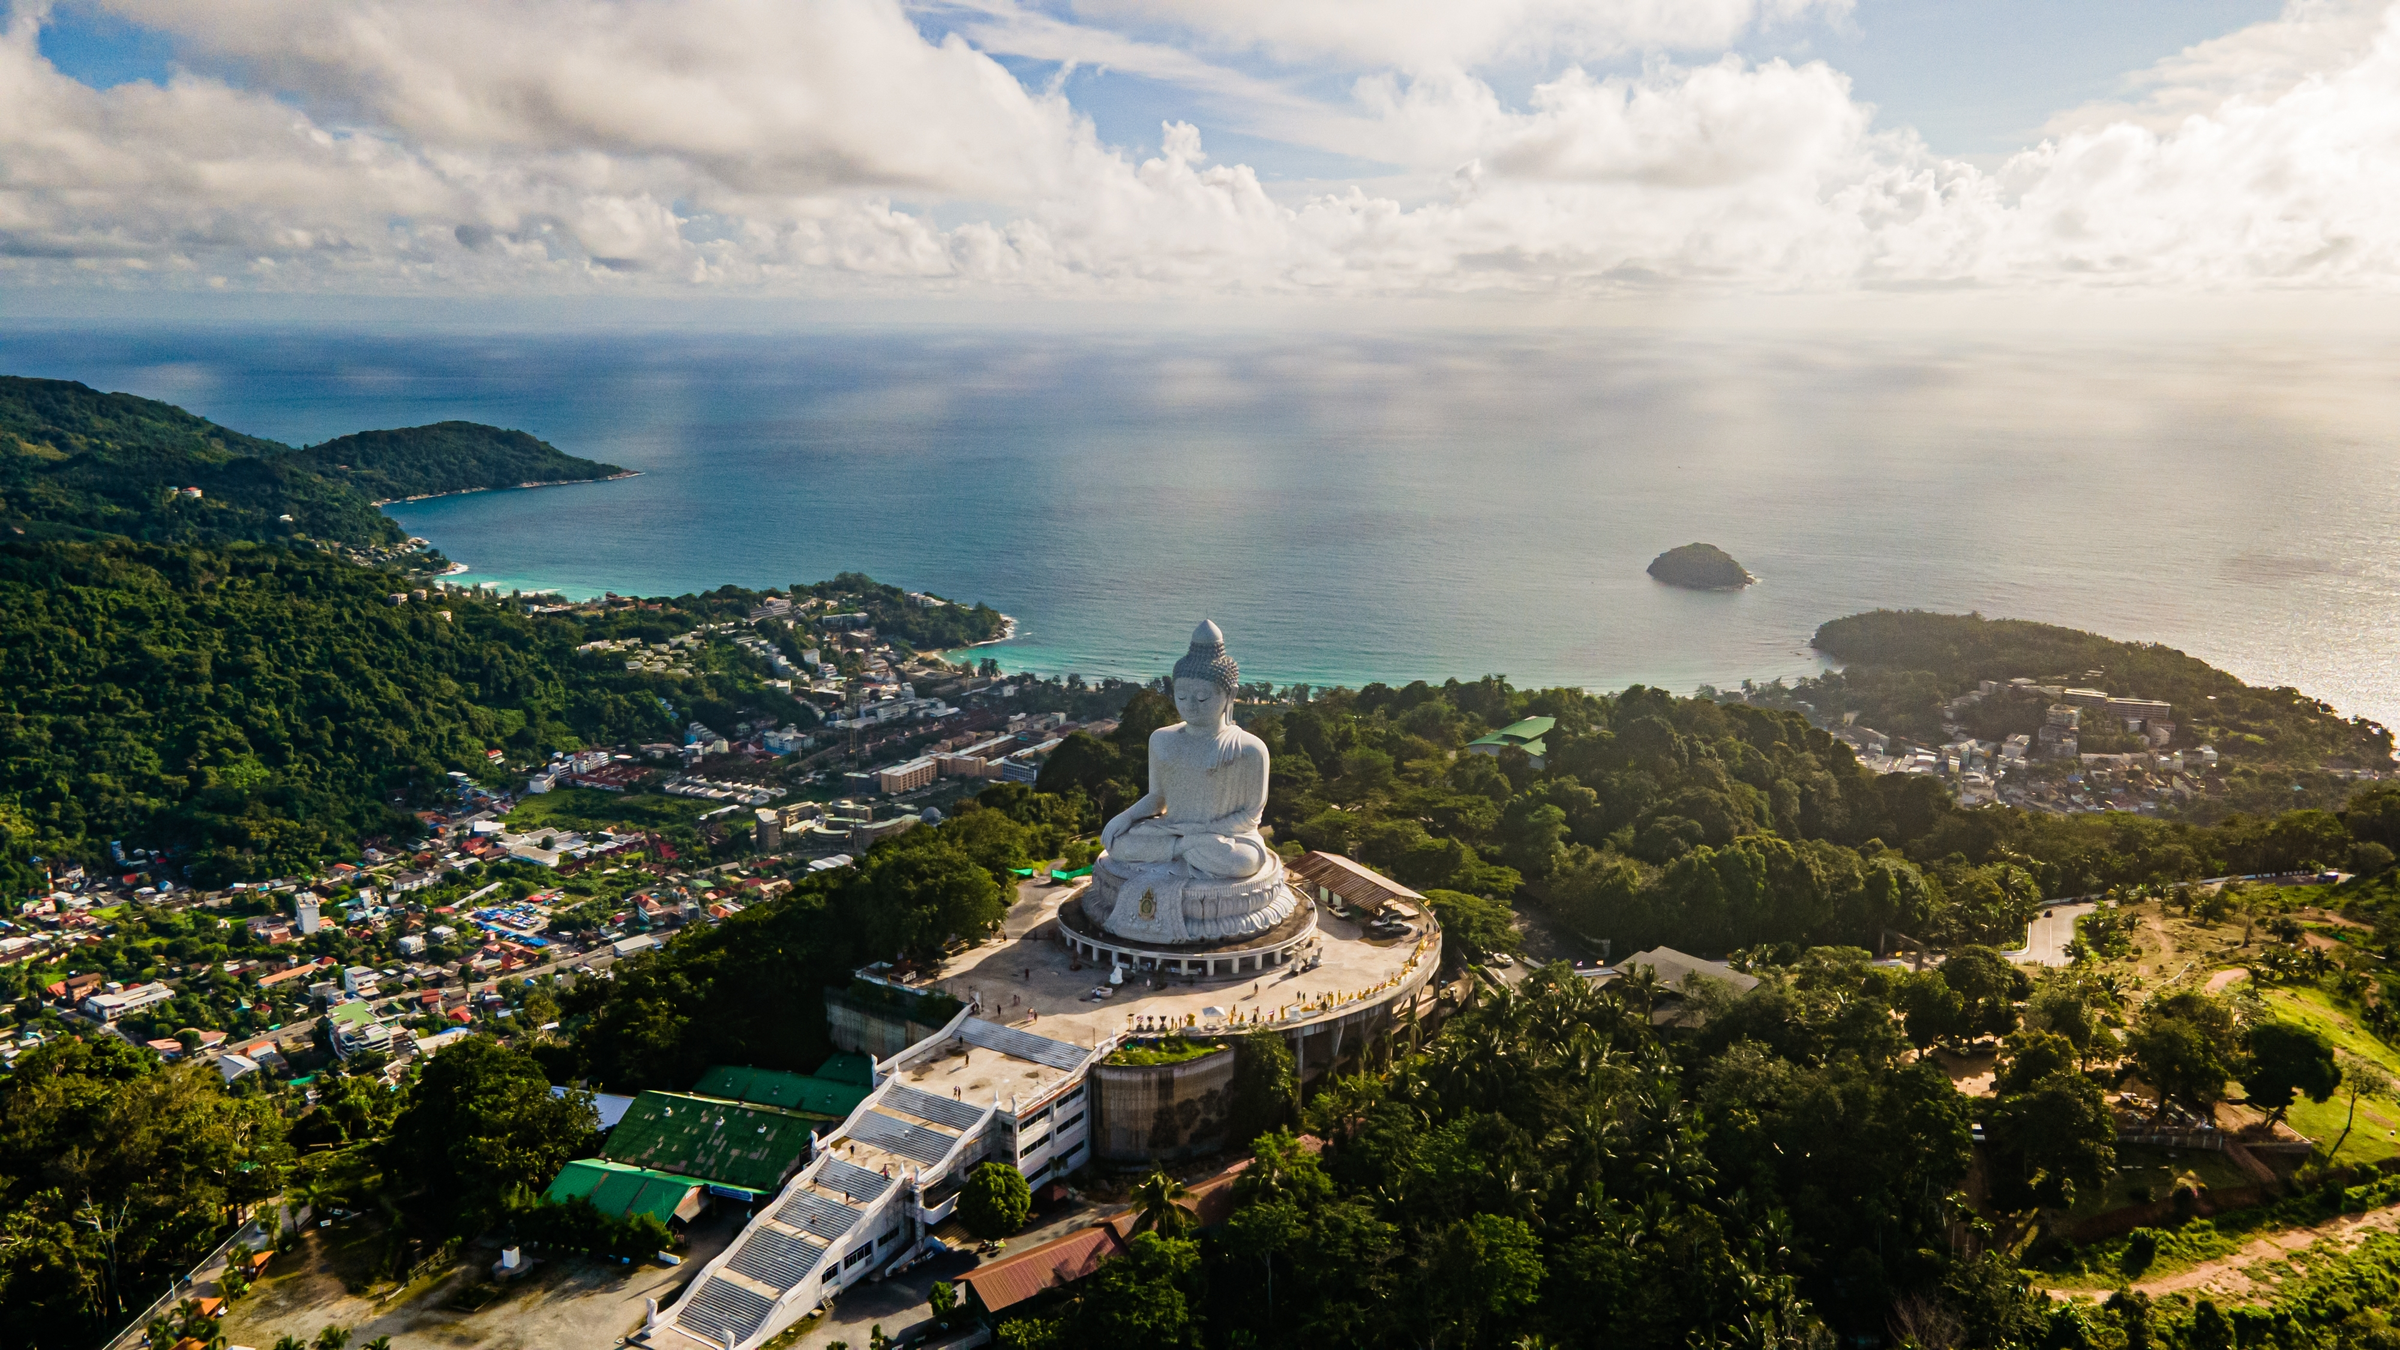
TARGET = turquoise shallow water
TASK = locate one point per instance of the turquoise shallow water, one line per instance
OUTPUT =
(1356, 507)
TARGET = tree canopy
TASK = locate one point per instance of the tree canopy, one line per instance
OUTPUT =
(116, 1173)
(480, 1124)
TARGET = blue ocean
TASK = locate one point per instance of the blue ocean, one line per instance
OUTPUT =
(1355, 507)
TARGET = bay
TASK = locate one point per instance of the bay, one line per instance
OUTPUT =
(1387, 506)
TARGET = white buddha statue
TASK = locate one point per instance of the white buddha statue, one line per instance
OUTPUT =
(1187, 862)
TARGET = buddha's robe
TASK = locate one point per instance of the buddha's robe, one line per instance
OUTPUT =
(1207, 794)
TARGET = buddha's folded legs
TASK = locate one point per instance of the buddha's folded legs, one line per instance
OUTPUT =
(1230, 856)
(1148, 842)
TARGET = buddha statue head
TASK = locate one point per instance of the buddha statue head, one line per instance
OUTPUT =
(1205, 680)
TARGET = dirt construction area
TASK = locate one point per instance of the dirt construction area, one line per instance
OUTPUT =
(562, 1303)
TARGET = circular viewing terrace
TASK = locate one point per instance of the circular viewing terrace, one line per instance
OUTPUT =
(1040, 975)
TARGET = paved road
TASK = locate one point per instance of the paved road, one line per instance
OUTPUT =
(1545, 941)
(2047, 938)
(897, 1304)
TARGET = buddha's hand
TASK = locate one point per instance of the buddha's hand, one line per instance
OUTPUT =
(1116, 827)
(1133, 815)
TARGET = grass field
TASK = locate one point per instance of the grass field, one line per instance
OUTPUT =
(2377, 1135)
(590, 808)
(2170, 948)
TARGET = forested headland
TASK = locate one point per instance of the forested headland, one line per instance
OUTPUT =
(442, 458)
(1901, 666)
(76, 461)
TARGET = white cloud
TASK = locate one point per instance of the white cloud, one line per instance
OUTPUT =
(2260, 62)
(2297, 188)
(1439, 35)
(758, 95)
(747, 145)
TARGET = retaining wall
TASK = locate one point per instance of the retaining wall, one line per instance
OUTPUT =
(1161, 1113)
(863, 1029)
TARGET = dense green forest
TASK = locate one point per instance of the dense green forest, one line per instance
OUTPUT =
(115, 1172)
(1901, 665)
(258, 709)
(74, 460)
(444, 457)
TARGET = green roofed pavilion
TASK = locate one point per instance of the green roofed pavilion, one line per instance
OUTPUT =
(831, 1099)
(727, 1142)
(1526, 736)
(620, 1191)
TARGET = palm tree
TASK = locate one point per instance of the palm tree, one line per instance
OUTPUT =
(1642, 987)
(186, 1324)
(1158, 1205)
(288, 1341)
(2366, 1077)
(379, 1343)
(1342, 1105)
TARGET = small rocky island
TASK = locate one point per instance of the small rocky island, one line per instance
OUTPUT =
(1700, 567)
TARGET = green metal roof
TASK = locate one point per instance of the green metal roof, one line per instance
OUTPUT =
(618, 1190)
(579, 1177)
(790, 1091)
(1526, 736)
(753, 1147)
(856, 1070)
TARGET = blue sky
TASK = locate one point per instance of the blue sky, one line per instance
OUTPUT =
(1980, 77)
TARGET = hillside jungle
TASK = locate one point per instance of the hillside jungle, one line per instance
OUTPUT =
(1551, 1168)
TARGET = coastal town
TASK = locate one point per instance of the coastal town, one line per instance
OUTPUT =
(2091, 750)
(531, 870)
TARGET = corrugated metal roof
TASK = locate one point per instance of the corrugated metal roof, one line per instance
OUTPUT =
(617, 1189)
(1519, 733)
(1362, 887)
(580, 1177)
(854, 1069)
(1013, 1279)
(1673, 967)
(753, 1147)
(1023, 1045)
(774, 1087)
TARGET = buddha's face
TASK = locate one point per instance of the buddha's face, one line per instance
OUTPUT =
(1202, 702)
